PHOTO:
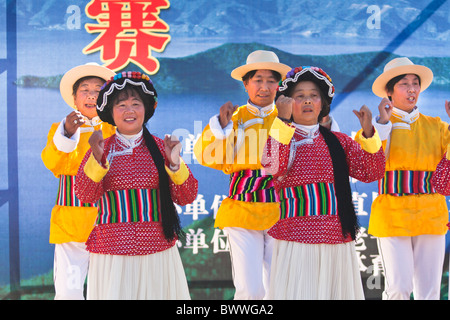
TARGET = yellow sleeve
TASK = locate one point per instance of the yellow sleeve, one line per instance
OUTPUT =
(94, 170)
(179, 176)
(281, 132)
(372, 144)
(445, 133)
(212, 152)
(62, 163)
(59, 162)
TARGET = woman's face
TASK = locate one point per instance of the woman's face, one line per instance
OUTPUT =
(406, 93)
(307, 103)
(129, 113)
(86, 97)
(262, 88)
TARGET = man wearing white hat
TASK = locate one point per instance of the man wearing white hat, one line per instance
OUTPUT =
(408, 217)
(233, 142)
(67, 142)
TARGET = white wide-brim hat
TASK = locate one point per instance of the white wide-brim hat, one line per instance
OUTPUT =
(260, 60)
(76, 73)
(397, 67)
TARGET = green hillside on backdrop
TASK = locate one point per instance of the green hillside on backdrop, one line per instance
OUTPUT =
(209, 71)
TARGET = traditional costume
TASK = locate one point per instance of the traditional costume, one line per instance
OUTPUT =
(408, 217)
(440, 179)
(133, 252)
(71, 219)
(251, 207)
(314, 252)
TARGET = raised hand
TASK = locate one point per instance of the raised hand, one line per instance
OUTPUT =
(447, 107)
(74, 120)
(365, 118)
(385, 110)
(97, 144)
(284, 106)
(172, 147)
(226, 112)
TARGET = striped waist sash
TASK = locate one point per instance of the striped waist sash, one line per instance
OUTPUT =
(134, 205)
(406, 183)
(66, 193)
(252, 186)
(316, 199)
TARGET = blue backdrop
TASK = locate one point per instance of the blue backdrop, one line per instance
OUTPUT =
(204, 41)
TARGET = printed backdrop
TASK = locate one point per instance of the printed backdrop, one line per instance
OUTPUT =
(190, 48)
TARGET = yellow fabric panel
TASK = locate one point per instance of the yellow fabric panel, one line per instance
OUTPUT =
(241, 150)
(418, 149)
(95, 170)
(281, 132)
(214, 153)
(221, 154)
(71, 223)
(371, 145)
(181, 175)
(248, 215)
(412, 215)
(61, 163)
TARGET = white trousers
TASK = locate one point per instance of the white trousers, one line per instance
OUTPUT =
(412, 265)
(251, 256)
(70, 270)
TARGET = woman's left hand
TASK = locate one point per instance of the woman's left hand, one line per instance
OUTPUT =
(365, 118)
(97, 144)
(172, 146)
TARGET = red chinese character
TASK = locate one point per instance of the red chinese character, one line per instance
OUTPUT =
(129, 30)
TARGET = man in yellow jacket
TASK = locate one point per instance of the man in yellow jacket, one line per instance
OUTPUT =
(233, 142)
(67, 142)
(409, 217)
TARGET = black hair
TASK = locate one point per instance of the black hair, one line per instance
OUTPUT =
(252, 73)
(346, 209)
(170, 219)
(391, 83)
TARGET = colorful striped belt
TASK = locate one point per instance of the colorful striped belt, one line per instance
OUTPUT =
(66, 193)
(252, 186)
(316, 199)
(400, 183)
(134, 205)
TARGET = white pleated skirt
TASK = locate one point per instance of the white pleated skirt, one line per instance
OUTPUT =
(315, 272)
(158, 276)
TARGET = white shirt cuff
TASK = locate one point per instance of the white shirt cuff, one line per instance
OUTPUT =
(217, 130)
(384, 130)
(63, 143)
(334, 125)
